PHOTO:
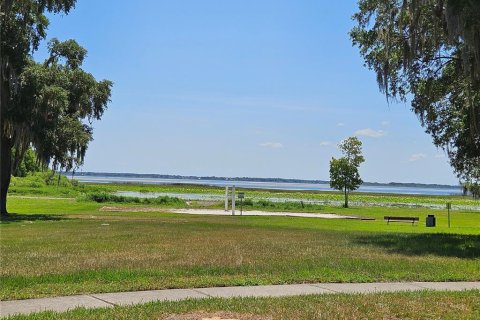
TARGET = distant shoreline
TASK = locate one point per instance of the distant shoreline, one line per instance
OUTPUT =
(250, 179)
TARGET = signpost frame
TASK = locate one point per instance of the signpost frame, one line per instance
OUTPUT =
(449, 206)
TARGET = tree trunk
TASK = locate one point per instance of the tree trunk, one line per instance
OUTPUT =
(346, 198)
(5, 142)
(5, 172)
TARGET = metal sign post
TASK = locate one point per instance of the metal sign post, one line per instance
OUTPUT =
(226, 198)
(233, 200)
(449, 206)
(241, 195)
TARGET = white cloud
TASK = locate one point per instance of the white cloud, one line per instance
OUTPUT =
(340, 124)
(326, 143)
(272, 145)
(417, 156)
(385, 123)
(370, 133)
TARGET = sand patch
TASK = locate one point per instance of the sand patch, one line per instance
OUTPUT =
(219, 212)
(130, 209)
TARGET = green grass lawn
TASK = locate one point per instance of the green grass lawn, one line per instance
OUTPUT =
(64, 246)
(414, 305)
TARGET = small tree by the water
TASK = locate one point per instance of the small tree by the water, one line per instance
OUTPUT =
(344, 175)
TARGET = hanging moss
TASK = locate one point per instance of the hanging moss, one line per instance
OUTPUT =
(429, 51)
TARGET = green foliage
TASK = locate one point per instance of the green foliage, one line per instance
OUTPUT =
(66, 100)
(473, 188)
(352, 150)
(41, 179)
(28, 165)
(344, 175)
(430, 51)
(47, 183)
(102, 197)
(49, 105)
(248, 202)
(266, 205)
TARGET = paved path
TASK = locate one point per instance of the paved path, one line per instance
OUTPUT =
(100, 300)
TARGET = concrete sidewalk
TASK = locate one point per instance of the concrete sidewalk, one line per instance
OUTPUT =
(102, 300)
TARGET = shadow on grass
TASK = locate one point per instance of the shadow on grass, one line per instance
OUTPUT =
(17, 217)
(439, 244)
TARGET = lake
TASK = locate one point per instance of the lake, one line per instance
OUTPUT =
(271, 185)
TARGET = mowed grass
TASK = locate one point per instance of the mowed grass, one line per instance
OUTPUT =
(64, 247)
(412, 305)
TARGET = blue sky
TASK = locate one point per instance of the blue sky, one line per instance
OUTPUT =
(241, 88)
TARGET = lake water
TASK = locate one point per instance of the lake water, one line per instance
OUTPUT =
(271, 185)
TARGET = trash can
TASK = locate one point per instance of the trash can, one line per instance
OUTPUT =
(430, 220)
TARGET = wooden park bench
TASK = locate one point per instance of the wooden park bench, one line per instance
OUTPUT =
(401, 219)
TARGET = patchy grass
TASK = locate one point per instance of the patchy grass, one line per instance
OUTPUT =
(64, 247)
(409, 305)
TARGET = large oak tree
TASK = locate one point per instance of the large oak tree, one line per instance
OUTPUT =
(429, 51)
(50, 105)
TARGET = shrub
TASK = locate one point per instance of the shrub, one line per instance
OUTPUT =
(282, 206)
(248, 202)
(101, 197)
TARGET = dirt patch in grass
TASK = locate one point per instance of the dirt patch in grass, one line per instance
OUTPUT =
(219, 212)
(215, 316)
